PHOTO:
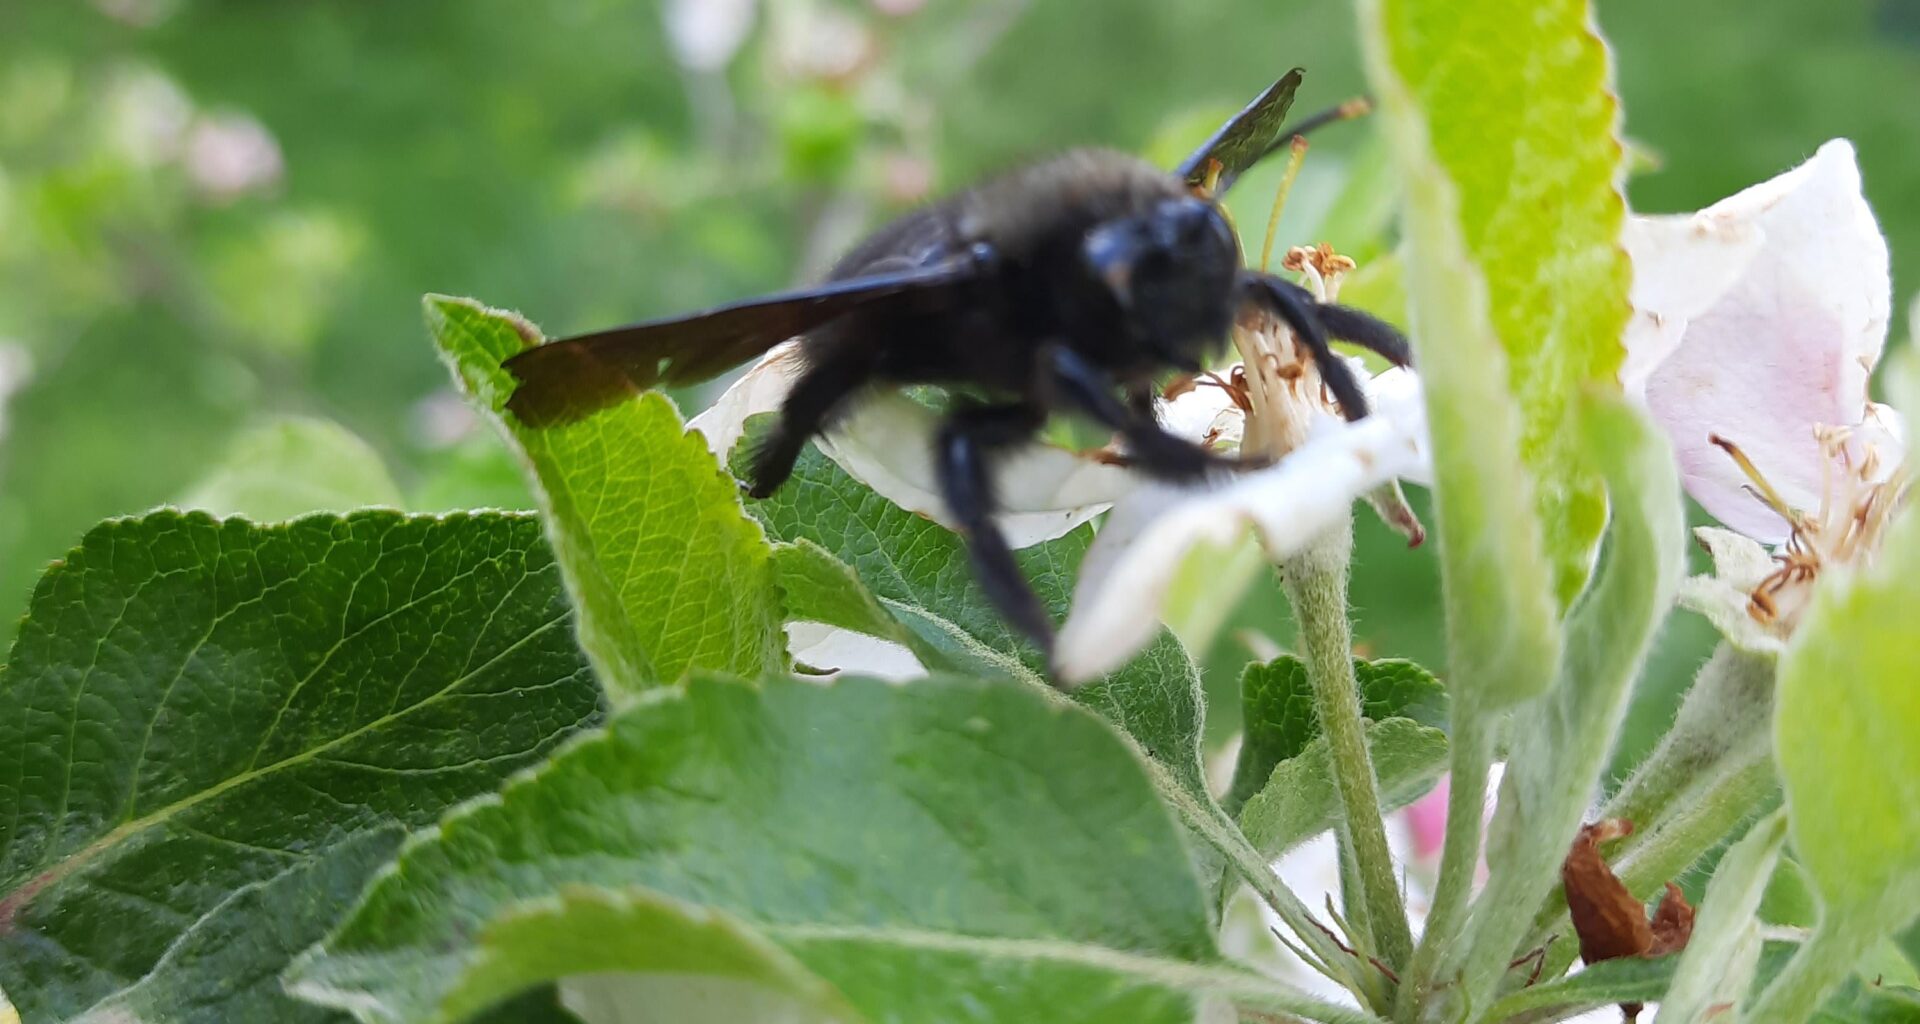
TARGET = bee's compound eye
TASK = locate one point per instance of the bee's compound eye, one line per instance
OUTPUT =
(1189, 222)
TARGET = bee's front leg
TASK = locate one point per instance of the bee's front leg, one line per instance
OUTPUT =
(1074, 381)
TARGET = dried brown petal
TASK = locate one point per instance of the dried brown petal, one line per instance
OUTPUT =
(1609, 921)
(1672, 923)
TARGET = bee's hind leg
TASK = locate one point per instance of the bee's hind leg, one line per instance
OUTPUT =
(968, 442)
(810, 407)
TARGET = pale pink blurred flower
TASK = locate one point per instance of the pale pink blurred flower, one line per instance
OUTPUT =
(905, 177)
(231, 155)
(821, 42)
(1426, 820)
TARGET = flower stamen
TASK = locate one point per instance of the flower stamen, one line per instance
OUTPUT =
(1855, 505)
(1759, 485)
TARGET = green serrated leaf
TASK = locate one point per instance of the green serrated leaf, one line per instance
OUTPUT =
(1863, 1002)
(1789, 899)
(1277, 708)
(220, 730)
(919, 572)
(1530, 194)
(1627, 980)
(291, 466)
(667, 959)
(941, 867)
(1299, 802)
(821, 588)
(665, 569)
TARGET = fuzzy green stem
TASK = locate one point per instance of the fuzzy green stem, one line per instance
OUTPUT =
(1712, 771)
(1316, 583)
(1726, 714)
(1561, 740)
(1815, 969)
(1470, 755)
(1218, 830)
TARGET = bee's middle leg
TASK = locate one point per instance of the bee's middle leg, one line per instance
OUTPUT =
(964, 450)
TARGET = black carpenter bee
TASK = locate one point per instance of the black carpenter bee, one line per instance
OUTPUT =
(1072, 284)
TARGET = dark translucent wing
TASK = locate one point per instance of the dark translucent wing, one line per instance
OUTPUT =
(1245, 139)
(574, 377)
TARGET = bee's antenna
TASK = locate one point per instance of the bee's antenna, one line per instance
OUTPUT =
(1357, 107)
(1347, 110)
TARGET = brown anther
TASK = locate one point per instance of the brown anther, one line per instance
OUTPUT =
(1178, 386)
(1236, 388)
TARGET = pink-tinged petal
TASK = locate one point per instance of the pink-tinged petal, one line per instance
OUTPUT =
(1427, 821)
(1787, 346)
(1682, 265)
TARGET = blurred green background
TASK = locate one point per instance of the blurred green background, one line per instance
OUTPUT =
(215, 213)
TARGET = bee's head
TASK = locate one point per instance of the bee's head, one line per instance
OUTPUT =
(1171, 271)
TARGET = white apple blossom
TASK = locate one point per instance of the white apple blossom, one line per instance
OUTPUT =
(1758, 323)
(1322, 463)
(838, 651)
(1759, 320)
(1142, 546)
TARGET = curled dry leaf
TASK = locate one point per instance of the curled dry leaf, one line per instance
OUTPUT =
(1609, 922)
